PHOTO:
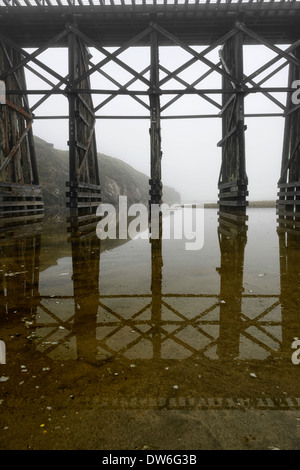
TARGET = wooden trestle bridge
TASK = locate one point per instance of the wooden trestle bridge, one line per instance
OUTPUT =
(77, 25)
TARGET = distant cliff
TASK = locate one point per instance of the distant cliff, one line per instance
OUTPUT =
(117, 178)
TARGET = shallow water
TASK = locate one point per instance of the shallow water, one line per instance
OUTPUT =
(148, 345)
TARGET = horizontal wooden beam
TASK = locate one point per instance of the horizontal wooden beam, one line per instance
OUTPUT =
(239, 203)
(190, 91)
(177, 116)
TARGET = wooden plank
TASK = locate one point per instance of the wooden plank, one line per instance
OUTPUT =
(225, 106)
(81, 185)
(229, 184)
(20, 203)
(289, 223)
(291, 202)
(283, 212)
(82, 228)
(289, 185)
(288, 194)
(240, 203)
(82, 219)
(9, 220)
(235, 194)
(238, 227)
(233, 189)
(21, 192)
(288, 231)
(226, 137)
(237, 218)
(16, 188)
(26, 228)
(9, 213)
(232, 231)
(74, 194)
(77, 204)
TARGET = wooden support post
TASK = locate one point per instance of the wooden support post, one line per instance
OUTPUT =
(155, 129)
(84, 185)
(288, 202)
(72, 109)
(233, 178)
(21, 198)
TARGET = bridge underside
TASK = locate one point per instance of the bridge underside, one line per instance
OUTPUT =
(32, 23)
(223, 27)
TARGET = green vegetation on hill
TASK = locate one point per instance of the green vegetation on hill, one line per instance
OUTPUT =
(117, 178)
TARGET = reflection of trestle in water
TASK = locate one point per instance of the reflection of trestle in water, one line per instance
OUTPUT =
(232, 324)
(218, 331)
(19, 269)
(289, 250)
(86, 267)
(232, 241)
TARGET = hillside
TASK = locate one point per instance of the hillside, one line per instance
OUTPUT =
(117, 178)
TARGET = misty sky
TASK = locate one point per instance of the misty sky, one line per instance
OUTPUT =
(191, 158)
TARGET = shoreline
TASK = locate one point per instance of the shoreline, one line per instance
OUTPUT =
(50, 210)
(251, 205)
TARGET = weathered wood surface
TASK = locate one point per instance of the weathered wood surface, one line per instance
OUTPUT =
(233, 178)
(85, 194)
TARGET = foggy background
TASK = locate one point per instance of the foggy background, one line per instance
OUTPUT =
(191, 159)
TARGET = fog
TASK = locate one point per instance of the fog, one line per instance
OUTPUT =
(191, 159)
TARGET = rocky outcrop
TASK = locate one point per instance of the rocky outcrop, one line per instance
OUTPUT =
(117, 178)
